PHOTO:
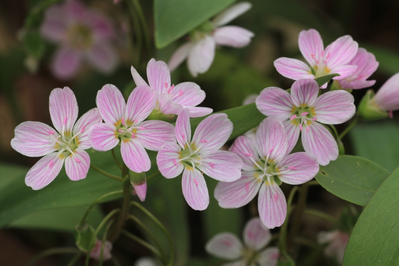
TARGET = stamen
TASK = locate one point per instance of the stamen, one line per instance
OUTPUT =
(292, 117)
(328, 55)
(322, 53)
(270, 151)
(171, 88)
(133, 135)
(212, 165)
(120, 130)
(196, 182)
(65, 119)
(180, 93)
(304, 113)
(307, 129)
(136, 121)
(300, 126)
(166, 85)
(312, 56)
(247, 186)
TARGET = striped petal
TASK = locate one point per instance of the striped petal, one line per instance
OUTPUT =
(111, 104)
(221, 165)
(153, 134)
(201, 56)
(304, 92)
(256, 236)
(335, 107)
(137, 78)
(103, 137)
(272, 205)
(275, 102)
(83, 125)
(158, 75)
(311, 46)
(225, 246)
(195, 190)
(245, 148)
(168, 160)
(63, 109)
(340, 52)
(183, 128)
(293, 68)
(77, 165)
(271, 139)
(292, 129)
(179, 55)
(140, 104)
(301, 167)
(135, 156)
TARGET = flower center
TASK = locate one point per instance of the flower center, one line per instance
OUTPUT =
(321, 69)
(65, 143)
(126, 130)
(79, 37)
(190, 156)
(303, 116)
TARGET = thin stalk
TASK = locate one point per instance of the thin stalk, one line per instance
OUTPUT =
(136, 25)
(336, 136)
(313, 183)
(52, 251)
(75, 259)
(283, 231)
(143, 22)
(151, 176)
(343, 133)
(103, 242)
(321, 215)
(307, 242)
(142, 242)
(115, 159)
(95, 168)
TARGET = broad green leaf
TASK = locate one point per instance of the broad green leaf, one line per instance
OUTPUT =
(374, 239)
(378, 142)
(388, 59)
(174, 18)
(352, 178)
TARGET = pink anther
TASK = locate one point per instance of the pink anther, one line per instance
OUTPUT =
(312, 56)
(247, 186)
(275, 197)
(76, 159)
(166, 85)
(120, 130)
(314, 118)
(175, 162)
(136, 121)
(212, 165)
(328, 55)
(304, 113)
(270, 151)
(83, 129)
(180, 93)
(196, 182)
(204, 141)
(292, 117)
(307, 129)
(123, 121)
(51, 132)
(300, 127)
(171, 88)
(133, 135)
(65, 119)
(50, 164)
(291, 167)
(248, 154)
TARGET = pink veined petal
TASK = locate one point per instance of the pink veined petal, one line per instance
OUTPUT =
(135, 156)
(293, 68)
(343, 71)
(187, 94)
(75, 11)
(340, 52)
(232, 36)
(256, 236)
(292, 134)
(77, 165)
(66, 63)
(111, 104)
(201, 56)
(356, 84)
(304, 92)
(44, 171)
(269, 257)
(275, 102)
(366, 65)
(100, 25)
(231, 13)
(387, 96)
(137, 78)
(54, 25)
(212, 132)
(153, 134)
(225, 246)
(103, 137)
(311, 46)
(141, 190)
(102, 56)
(222, 165)
(63, 109)
(319, 142)
(238, 193)
(243, 262)
(158, 75)
(244, 147)
(199, 111)
(271, 139)
(335, 107)
(166, 105)
(179, 56)
(34, 139)
(272, 205)
(301, 167)
(195, 190)
(140, 104)
(83, 126)
(168, 160)
(183, 128)
(250, 99)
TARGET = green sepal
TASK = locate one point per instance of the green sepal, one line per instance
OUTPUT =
(368, 110)
(83, 235)
(341, 147)
(137, 178)
(157, 115)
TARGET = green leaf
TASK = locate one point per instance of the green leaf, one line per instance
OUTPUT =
(34, 44)
(352, 178)
(175, 18)
(326, 78)
(374, 239)
(388, 59)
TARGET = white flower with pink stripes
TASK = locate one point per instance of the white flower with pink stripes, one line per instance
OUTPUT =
(66, 143)
(199, 155)
(266, 166)
(303, 111)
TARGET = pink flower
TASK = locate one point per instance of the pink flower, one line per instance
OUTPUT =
(256, 237)
(199, 155)
(82, 34)
(366, 65)
(66, 143)
(172, 99)
(337, 242)
(124, 124)
(303, 111)
(266, 166)
(200, 50)
(95, 253)
(334, 59)
(387, 97)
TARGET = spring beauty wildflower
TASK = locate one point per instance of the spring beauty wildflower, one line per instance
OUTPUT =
(336, 244)
(82, 35)
(303, 111)
(95, 253)
(66, 143)
(172, 99)
(256, 237)
(125, 125)
(334, 59)
(266, 166)
(199, 155)
(200, 50)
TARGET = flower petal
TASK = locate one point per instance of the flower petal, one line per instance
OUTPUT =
(293, 131)
(269, 257)
(231, 13)
(66, 63)
(245, 148)
(222, 165)
(140, 104)
(238, 193)
(183, 128)
(103, 57)
(304, 92)
(343, 71)
(275, 102)
(137, 78)
(103, 137)
(187, 94)
(311, 46)
(232, 36)
(141, 190)
(256, 236)
(366, 64)
(166, 105)
(224, 246)
(199, 111)
(387, 96)
(34, 139)
(272, 205)
(212, 132)
(179, 56)
(158, 75)
(271, 139)
(168, 160)
(335, 107)
(195, 190)
(153, 134)
(77, 165)
(340, 52)
(111, 104)
(201, 56)
(83, 125)
(293, 68)
(54, 25)
(63, 109)
(319, 142)
(302, 167)
(100, 26)
(44, 171)
(135, 156)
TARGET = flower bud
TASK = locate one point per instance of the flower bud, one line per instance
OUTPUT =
(139, 184)
(369, 110)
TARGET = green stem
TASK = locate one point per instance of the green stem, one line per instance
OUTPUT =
(139, 11)
(354, 121)
(103, 242)
(142, 242)
(313, 183)
(75, 259)
(283, 231)
(336, 136)
(152, 176)
(321, 215)
(115, 159)
(307, 242)
(95, 168)
(52, 251)
(138, 34)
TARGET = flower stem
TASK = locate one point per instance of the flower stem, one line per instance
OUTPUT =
(143, 23)
(321, 215)
(138, 33)
(103, 243)
(95, 168)
(283, 231)
(115, 159)
(142, 242)
(53, 251)
(343, 133)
